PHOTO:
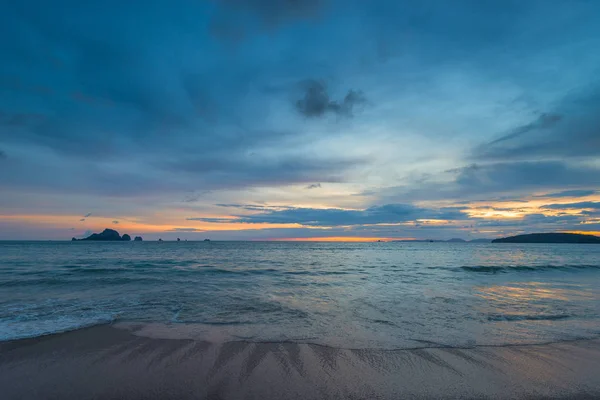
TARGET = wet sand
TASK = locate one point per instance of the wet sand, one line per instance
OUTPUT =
(105, 362)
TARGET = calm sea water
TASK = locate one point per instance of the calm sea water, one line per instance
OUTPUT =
(357, 295)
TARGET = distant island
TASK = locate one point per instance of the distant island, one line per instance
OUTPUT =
(108, 235)
(550, 238)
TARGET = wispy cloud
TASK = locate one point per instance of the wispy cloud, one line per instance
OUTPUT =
(568, 193)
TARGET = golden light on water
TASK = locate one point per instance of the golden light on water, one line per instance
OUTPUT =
(527, 292)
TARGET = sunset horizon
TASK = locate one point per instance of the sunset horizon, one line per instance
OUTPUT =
(299, 199)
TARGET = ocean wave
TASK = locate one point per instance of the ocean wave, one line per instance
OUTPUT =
(12, 330)
(520, 317)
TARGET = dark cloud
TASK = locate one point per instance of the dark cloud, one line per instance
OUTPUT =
(545, 121)
(85, 216)
(246, 171)
(503, 177)
(533, 222)
(314, 186)
(570, 131)
(595, 205)
(316, 101)
(386, 214)
(568, 193)
(195, 196)
(495, 181)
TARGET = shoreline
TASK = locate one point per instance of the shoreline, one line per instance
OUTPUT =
(105, 361)
(137, 328)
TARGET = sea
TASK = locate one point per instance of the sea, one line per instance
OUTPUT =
(385, 295)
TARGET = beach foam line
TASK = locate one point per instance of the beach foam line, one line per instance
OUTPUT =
(13, 330)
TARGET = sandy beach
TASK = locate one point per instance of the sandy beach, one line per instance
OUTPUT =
(108, 362)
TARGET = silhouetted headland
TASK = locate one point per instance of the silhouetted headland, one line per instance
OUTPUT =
(108, 235)
(550, 238)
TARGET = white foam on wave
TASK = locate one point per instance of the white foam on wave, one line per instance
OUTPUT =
(12, 330)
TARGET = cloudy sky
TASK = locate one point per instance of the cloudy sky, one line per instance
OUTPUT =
(299, 119)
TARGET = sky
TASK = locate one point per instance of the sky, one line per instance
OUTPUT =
(299, 119)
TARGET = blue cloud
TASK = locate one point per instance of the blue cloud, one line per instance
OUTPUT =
(386, 214)
(568, 193)
(574, 206)
(570, 131)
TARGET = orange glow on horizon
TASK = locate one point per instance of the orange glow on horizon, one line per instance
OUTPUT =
(594, 233)
(133, 225)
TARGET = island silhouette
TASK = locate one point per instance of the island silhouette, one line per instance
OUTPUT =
(108, 235)
(550, 238)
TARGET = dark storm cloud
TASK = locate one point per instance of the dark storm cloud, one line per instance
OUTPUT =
(316, 101)
(492, 181)
(389, 213)
(572, 130)
(568, 193)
